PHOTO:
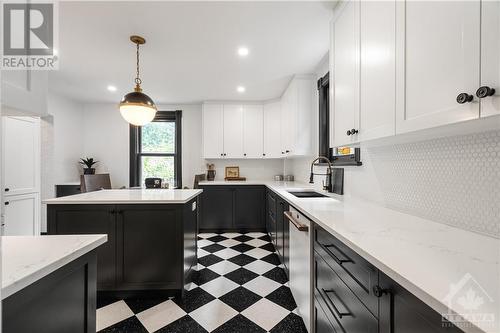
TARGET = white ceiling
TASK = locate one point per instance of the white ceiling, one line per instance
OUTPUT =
(191, 49)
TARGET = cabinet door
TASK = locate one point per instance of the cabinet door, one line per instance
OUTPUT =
(155, 258)
(249, 203)
(216, 208)
(253, 131)
(346, 73)
(323, 323)
(272, 130)
(282, 233)
(21, 155)
(378, 69)
(402, 312)
(285, 123)
(233, 131)
(213, 131)
(89, 219)
(490, 56)
(22, 215)
(441, 52)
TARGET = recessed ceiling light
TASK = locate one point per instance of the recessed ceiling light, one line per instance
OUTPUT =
(242, 51)
(240, 89)
(111, 88)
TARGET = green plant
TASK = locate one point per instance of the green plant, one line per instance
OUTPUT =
(88, 162)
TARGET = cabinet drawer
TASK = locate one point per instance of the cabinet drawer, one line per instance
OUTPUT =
(349, 312)
(271, 204)
(323, 323)
(355, 271)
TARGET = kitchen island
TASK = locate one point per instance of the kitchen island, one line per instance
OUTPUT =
(44, 277)
(152, 235)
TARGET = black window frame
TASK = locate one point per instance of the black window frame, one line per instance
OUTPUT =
(324, 116)
(135, 146)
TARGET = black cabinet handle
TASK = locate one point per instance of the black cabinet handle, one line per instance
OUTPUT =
(282, 152)
(334, 256)
(485, 91)
(352, 132)
(464, 98)
(334, 307)
(245, 154)
(287, 151)
(7, 189)
(379, 292)
(6, 203)
(263, 154)
(221, 154)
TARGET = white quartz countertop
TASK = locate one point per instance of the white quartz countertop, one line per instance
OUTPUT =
(128, 196)
(427, 258)
(26, 259)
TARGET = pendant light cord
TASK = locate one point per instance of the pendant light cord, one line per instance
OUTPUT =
(138, 80)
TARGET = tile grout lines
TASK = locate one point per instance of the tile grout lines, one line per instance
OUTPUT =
(239, 286)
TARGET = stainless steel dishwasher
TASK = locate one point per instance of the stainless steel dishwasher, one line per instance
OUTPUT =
(300, 263)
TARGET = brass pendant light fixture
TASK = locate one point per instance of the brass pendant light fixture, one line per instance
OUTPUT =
(136, 107)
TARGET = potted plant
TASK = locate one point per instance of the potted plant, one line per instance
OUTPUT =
(88, 163)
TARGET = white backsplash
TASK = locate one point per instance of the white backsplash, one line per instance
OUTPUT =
(454, 180)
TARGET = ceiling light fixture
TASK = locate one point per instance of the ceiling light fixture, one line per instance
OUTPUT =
(240, 89)
(136, 107)
(112, 88)
(243, 51)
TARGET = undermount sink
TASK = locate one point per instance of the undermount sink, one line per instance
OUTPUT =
(307, 194)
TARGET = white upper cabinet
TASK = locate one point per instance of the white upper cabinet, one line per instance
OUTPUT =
(24, 92)
(213, 130)
(272, 130)
(490, 58)
(378, 70)
(345, 71)
(440, 44)
(253, 131)
(233, 131)
(20, 155)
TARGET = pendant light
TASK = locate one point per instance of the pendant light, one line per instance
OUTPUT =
(136, 107)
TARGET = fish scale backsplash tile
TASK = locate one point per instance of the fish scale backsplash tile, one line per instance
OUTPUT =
(453, 180)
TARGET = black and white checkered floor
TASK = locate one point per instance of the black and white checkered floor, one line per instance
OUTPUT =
(239, 287)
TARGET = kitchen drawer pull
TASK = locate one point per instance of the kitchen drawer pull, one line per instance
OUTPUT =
(335, 308)
(297, 224)
(334, 256)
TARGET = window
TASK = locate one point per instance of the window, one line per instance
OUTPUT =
(155, 150)
(324, 115)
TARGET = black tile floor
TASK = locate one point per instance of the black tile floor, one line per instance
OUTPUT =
(239, 287)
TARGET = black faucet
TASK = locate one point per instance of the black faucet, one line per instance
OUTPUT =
(327, 186)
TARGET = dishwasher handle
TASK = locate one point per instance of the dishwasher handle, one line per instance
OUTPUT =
(297, 224)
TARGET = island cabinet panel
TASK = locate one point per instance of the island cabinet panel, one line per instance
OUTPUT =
(151, 247)
(146, 248)
(89, 219)
(63, 301)
(232, 208)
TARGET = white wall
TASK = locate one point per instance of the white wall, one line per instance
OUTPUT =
(61, 146)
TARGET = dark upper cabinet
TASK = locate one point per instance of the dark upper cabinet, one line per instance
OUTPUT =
(151, 249)
(95, 219)
(232, 208)
(249, 207)
(216, 208)
(402, 312)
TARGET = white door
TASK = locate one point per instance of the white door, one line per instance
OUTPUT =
(378, 69)
(440, 41)
(21, 155)
(253, 131)
(233, 131)
(346, 74)
(213, 131)
(21, 215)
(272, 130)
(490, 56)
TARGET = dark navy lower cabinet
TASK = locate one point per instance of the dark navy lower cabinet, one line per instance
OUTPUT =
(232, 208)
(351, 295)
(63, 301)
(151, 247)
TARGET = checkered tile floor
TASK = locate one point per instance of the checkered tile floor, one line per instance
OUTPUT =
(239, 287)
